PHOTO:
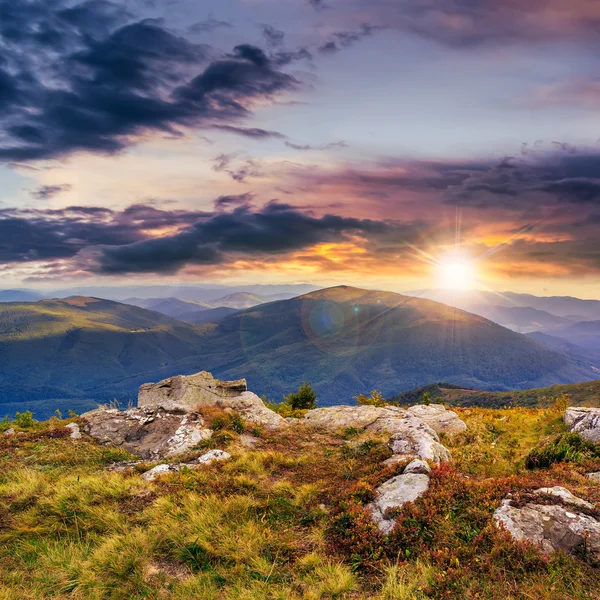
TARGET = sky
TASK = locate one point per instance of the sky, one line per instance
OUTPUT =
(396, 144)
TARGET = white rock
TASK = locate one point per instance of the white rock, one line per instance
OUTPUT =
(9, 432)
(438, 418)
(155, 472)
(595, 477)
(418, 467)
(395, 493)
(75, 432)
(212, 456)
(553, 527)
(585, 422)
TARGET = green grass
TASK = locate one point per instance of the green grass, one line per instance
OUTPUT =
(283, 521)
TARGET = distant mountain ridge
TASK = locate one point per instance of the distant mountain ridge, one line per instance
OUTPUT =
(343, 340)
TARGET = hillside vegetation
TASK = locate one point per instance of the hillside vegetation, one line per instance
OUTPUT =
(344, 341)
(580, 394)
(283, 520)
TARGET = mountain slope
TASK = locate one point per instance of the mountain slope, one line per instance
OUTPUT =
(581, 394)
(347, 341)
(172, 307)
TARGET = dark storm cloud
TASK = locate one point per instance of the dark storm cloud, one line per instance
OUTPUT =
(345, 39)
(46, 192)
(89, 80)
(275, 229)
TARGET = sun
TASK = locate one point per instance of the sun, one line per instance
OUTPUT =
(456, 273)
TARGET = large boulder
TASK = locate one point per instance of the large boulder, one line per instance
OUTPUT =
(585, 422)
(410, 436)
(192, 392)
(149, 432)
(438, 418)
(553, 519)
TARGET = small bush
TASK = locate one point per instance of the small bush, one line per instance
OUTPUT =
(375, 399)
(567, 447)
(25, 420)
(304, 399)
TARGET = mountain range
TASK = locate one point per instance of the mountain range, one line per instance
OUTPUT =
(343, 340)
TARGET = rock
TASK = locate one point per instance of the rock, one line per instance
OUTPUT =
(585, 422)
(560, 526)
(190, 393)
(393, 494)
(205, 459)
(75, 432)
(9, 432)
(125, 466)
(212, 456)
(418, 467)
(148, 432)
(411, 437)
(249, 441)
(155, 472)
(595, 477)
(438, 418)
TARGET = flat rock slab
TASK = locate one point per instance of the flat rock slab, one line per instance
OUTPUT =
(552, 527)
(192, 392)
(585, 422)
(147, 432)
(438, 418)
(394, 494)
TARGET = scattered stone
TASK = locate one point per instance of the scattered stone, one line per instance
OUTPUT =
(211, 456)
(75, 431)
(155, 472)
(418, 467)
(249, 441)
(438, 418)
(585, 422)
(553, 527)
(9, 432)
(192, 392)
(411, 437)
(125, 466)
(149, 432)
(205, 459)
(595, 477)
(393, 494)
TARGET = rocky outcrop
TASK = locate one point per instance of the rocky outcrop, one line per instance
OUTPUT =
(149, 432)
(75, 432)
(205, 459)
(585, 422)
(410, 436)
(438, 418)
(192, 392)
(396, 492)
(554, 519)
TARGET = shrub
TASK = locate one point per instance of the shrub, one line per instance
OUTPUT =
(567, 447)
(304, 399)
(25, 420)
(375, 399)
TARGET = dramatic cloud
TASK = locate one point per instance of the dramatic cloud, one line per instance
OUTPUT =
(273, 36)
(82, 81)
(251, 132)
(239, 170)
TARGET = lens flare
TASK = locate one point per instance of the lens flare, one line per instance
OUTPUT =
(456, 273)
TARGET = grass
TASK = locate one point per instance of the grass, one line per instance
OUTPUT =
(283, 521)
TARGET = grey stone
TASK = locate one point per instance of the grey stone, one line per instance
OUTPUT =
(438, 418)
(190, 393)
(553, 527)
(205, 459)
(394, 494)
(75, 432)
(595, 477)
(418, 467)
(9, 432)
(150, 433)
(585, 422)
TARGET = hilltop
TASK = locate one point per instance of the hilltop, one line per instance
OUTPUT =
(342, 340)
